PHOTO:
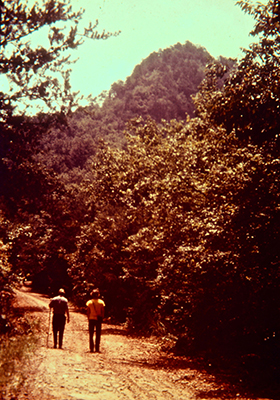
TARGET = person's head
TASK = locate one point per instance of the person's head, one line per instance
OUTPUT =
(95, 294)
(61, 292)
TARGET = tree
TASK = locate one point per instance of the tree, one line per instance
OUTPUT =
(160, 87)
(247, 105)
(33, 203)
(185, 239)
(158, 206)
(40, 73)
(249, 101)
(34, 75)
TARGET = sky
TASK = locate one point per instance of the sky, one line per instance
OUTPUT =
(220, 26)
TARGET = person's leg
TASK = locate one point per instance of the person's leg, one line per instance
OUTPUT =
(91, 333)
(61, 330)
(98, 336)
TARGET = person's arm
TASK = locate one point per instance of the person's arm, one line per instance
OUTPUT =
(88, 312)
(102, 311)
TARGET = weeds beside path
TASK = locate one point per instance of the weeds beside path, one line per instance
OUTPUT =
(126, 368)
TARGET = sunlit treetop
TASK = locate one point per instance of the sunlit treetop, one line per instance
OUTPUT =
(249, 100)
(40, 72)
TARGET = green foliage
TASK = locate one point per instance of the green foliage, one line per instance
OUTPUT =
(26, 186)
(67, 148)
(160, 87)
(249, 101)
(7, 281)
(169, 240)
(38, 73)
(179, 227)
(36, 225)
(186, 226)
(16, 350)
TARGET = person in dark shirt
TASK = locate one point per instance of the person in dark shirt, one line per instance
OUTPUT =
(59, 304)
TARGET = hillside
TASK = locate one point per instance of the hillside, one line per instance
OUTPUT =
(161, 87)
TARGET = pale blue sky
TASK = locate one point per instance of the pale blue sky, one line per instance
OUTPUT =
(149, 25)
(219, 26)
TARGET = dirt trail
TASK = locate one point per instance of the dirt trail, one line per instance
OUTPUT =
(126, 369)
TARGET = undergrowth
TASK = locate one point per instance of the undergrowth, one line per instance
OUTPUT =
(16, 348)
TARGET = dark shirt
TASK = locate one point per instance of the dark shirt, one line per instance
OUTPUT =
(59, 305)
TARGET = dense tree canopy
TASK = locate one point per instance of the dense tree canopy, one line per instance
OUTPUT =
(34, 75)
(160, 87)
(186, 229)
(33, 203)
(249, 101)
(170, 230)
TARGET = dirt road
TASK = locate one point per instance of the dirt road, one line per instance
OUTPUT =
(126, 369)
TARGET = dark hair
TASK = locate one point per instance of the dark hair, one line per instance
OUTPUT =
(95, 293)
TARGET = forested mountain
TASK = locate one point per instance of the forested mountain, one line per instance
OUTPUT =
(161, 87)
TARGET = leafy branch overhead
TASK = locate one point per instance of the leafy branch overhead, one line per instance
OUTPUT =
(249, 101)
(38, 72)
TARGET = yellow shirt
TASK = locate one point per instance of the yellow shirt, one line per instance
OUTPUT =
(95, 308)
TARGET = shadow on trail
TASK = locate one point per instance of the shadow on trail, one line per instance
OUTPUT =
(113, 330)
(233, 381)
(240, 378)
(253, 381)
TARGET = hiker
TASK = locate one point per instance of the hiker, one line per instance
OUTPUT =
(59, 304)
(95, 314)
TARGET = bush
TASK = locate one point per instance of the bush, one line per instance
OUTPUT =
(16, 346)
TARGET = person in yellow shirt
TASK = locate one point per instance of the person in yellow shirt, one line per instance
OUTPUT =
(95, 314)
